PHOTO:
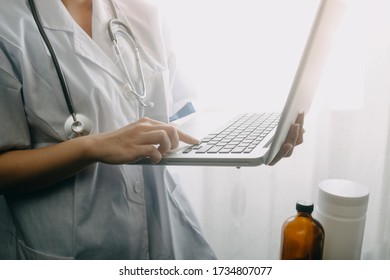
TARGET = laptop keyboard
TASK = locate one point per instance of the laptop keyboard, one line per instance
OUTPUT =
(241, 135)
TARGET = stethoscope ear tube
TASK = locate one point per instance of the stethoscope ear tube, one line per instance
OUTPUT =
(128, 34)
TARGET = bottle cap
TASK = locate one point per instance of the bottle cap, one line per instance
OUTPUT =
(304, 206)
(342, 198)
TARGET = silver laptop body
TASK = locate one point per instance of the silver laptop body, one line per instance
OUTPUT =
(326, 21)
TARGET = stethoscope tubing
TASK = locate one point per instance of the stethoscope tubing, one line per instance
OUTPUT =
(128, 34)
(77, 124)
(57, 66)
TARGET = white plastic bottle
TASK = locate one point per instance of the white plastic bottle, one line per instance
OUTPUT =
(341, 209)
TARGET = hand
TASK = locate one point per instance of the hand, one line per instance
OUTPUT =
(143, 138)
(294, 138)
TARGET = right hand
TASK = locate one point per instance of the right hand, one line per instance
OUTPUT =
(29, 170)
(143, 138)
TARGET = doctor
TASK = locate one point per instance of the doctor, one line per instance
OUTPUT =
(74, 198)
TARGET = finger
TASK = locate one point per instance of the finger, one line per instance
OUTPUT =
(175, 134)
(300, 119)
(159, 138)
(284, 150)
(165, 136)
(288, 147)
(184, 137)
(289, 151)
(181, 135)
(293, 134)
(300, 136)
(169, 130)
(172, 134)
(293, 138)
(147, 151)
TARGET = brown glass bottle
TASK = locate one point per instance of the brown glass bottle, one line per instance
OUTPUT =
(302, 235)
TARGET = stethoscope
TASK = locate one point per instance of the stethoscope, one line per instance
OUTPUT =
(77, 124)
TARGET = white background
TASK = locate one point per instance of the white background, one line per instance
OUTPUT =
(243, 54)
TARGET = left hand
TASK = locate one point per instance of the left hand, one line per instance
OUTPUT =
(294, 138)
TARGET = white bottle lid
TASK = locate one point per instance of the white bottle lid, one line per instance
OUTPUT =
(342, 198)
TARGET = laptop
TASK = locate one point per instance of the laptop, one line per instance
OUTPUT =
(263, 134)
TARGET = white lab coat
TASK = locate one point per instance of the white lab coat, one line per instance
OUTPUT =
(106, 211)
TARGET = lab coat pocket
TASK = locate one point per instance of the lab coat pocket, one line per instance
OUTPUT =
(26, 253)
(180, 200)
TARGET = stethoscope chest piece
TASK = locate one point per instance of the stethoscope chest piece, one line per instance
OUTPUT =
(78, 125)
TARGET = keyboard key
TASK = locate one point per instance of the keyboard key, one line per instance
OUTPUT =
(214, 150)
(238, 150)
(204, 149)
(241, 135)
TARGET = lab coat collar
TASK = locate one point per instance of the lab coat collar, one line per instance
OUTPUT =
(55, 16)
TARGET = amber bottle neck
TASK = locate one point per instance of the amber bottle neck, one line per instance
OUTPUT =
(304, 214)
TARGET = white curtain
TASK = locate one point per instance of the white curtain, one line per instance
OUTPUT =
(243, 54)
